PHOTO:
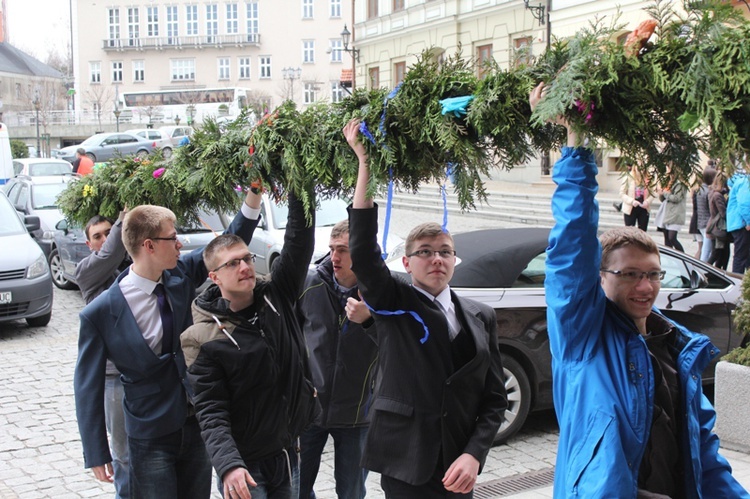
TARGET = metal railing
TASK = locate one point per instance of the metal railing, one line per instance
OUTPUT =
(179, 42)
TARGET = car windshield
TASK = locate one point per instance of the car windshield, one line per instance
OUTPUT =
(10, 223)
(41, 169)
(92, 141)
(329, 213)
(45, 195)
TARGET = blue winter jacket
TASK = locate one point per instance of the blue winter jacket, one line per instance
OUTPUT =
(738, 205)
(603, 378)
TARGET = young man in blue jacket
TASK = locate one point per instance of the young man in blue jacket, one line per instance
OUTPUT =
(627, 380)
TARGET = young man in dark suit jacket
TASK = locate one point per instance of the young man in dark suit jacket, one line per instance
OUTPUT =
(126, 324)
(439, 395)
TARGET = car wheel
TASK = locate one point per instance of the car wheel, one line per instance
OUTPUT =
(142, 154)
(91, 157)
(56, 267)
(167, 152)
(40, 321)
(519, 398)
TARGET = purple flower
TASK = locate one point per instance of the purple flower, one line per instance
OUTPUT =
(159, 172)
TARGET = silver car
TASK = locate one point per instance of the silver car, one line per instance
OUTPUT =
(105, 146)
(159, 137)
(25, 280)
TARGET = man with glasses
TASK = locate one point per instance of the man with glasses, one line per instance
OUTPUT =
(247, 363)
(439, 394)
(634, 422)
(136, 323)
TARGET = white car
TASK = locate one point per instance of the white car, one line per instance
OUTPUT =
(177, 133)
(41, 167)
(160, 138)
(268, 238)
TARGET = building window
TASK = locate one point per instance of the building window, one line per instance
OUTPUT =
(372, 9)
(114, 26)
(134, 26)
(95, 72)
(172, 24)
(309, 93)
(308, 51)
(152, 21)
(182, 69)
(374, 74)
(307, 9)
(252, 21)
(522, 54)
(212, 22)
(335, 8)
(117, 71)
(265, 66)
(139, 71)
(191, 14)
(398, 5)
(244, 66)
(337, 47)
(233, 26)
(484, 56)
(337, 92)
(399, 72)
(224, 68)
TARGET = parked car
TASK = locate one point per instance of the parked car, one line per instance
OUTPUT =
(159, 137)
(105, 146)
(505, 268)
(38, 196)
(268, 238)
(177, 133)
(25, 280)
(70, 245)
(36, 167)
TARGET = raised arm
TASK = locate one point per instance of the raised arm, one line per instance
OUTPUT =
(96, 272)
(361, 200)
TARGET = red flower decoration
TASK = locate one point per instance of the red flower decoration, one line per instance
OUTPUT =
(159, 172)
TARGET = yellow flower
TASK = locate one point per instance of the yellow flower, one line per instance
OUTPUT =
(88, 191)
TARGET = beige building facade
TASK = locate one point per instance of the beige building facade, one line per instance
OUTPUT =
(272, 49)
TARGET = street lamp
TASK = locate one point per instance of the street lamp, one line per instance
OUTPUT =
(177, 120)
(345, 38)
(37, 105)
(537, 11)
(117, 113)
(291, 74)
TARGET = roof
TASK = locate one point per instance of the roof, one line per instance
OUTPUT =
(14, 61)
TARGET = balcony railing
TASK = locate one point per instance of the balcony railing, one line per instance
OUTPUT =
(181, 42)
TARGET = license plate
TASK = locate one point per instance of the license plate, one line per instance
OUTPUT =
(6, 297)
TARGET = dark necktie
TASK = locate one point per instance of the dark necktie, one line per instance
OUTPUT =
(167, 319)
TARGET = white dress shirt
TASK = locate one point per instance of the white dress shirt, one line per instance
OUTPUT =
(444, 302)
(139, 293)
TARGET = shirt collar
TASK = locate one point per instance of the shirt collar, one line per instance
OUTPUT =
(444, 297)
(145, 285)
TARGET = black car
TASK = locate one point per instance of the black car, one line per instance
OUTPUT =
(505, 268)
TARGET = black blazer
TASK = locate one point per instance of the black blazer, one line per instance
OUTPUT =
(422, 407)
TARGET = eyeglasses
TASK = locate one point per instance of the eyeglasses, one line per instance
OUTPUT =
(234, 263)
(428, 253)
(635, 276)
(173, 239)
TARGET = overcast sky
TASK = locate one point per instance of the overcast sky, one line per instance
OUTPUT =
(35, 26)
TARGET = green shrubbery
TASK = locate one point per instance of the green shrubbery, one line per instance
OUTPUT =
(741, 355)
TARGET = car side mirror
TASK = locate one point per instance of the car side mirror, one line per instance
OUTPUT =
(697, 279)
(32, 223)
(62, 225)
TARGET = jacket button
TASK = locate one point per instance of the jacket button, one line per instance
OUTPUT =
(448, 383)
(445, 414)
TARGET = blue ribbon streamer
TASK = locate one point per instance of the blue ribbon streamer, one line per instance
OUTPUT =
(388, 206)
(414, 315)
(444, 194)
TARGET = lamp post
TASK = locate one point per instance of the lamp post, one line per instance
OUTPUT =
(291, 74)
(177, 120)
(117, 113)
(345, 38)
(37, 105)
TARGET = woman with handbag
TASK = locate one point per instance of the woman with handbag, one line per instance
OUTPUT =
(636, 199)
(716, 228)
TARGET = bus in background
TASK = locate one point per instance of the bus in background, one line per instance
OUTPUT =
(6, 157)
(190, 105)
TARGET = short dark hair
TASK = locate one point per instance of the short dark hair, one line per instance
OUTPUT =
(219, 243)
(81, 151)
(709, 174)
(95, 220)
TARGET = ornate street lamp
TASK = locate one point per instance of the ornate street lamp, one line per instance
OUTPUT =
(177, 120)
(117, 113)
(345, 38)
(37, 104)
(291, 74)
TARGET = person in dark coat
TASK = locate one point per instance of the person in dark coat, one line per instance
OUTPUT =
(343, 355)
(439, 394)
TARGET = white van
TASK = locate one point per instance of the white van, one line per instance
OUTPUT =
(6, 158)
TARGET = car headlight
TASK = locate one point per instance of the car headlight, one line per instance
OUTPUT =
(38, 268)
(48, 235)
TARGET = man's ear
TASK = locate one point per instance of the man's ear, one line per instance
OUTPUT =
(405, 263)
(88, 243)
(214, 278)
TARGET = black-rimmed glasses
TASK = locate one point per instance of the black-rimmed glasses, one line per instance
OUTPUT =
(235, 262)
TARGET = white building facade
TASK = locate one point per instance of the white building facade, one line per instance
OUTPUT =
(272, 49)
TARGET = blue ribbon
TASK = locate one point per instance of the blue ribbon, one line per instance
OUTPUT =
(456, 106)
(415, 315)
(444, 195)
(388, 206)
